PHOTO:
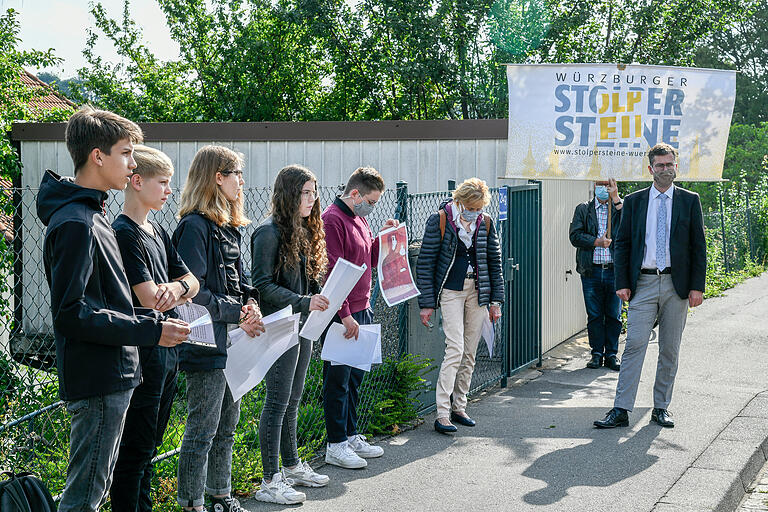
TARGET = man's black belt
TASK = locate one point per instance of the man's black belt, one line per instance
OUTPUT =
(603, 265)
(655, 271)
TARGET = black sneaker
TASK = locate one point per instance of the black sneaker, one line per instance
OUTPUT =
(226, 504)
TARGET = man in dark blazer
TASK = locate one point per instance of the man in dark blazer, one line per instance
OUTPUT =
(594, 263)
(660, 261)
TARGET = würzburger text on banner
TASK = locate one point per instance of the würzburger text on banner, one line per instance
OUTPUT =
(597, 121)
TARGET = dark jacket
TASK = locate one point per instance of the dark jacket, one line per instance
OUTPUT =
(583, 234)
(437, 256)
(198, 241)
(278, 288)
(687, 245)
(94, 323)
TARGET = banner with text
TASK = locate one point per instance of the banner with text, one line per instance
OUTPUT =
(597, 121)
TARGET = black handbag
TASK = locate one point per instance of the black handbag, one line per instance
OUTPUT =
(24, 492)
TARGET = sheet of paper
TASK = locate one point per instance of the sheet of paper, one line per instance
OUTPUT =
(200, 323)
(249, 359)
(489, 334)
(340, 282)
(394, 271)
(278, 315)
(359, 353)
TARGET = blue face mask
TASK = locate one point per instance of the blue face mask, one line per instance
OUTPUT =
(470, 216)
(601, 193)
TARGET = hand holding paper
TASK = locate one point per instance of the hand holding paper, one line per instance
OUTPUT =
(250, 358)
(360, 353)
(340, 282)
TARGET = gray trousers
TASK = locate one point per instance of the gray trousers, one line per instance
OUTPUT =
(205, 460)
(97, 425)
(654, 296)
(277, 424)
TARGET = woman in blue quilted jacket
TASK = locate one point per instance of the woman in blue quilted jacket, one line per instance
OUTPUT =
(459, 270)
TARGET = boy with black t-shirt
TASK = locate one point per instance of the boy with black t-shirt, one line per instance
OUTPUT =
(96, 326)
(159, 280)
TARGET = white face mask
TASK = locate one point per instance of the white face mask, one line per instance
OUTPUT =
(470, 216)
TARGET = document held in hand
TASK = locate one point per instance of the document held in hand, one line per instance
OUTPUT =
(340, 282)
(489, 334)
(200, 323)
(359, 353)
(249, 359)
(395, 276)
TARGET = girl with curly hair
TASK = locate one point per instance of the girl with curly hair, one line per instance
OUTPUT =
(289, 263)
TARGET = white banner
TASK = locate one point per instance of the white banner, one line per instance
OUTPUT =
(597, 121)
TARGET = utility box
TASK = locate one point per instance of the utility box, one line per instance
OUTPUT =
(428, 342)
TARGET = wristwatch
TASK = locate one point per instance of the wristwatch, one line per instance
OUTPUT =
(617, 203)
(496, 304)
(185, 286)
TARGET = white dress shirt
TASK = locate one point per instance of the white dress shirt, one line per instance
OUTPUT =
(464, 234)
(649, 256)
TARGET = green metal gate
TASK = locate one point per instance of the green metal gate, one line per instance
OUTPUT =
(521, 254)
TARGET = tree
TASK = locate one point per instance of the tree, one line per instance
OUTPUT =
(17, 101)
(742, 46)
(254, 60)
(240, 61)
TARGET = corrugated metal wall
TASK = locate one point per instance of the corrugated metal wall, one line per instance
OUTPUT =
(426, 165)
(563, 313)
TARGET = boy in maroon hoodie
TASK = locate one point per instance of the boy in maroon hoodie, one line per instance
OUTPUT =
(349, 236)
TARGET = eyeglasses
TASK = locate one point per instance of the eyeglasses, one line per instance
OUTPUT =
(661, 167)
(309, 194)
(239, 172)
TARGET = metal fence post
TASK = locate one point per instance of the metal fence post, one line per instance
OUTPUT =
(401, 210)
(749, 232)
(722, 227)
(507, 311)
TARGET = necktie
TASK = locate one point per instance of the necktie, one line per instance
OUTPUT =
(661, 233)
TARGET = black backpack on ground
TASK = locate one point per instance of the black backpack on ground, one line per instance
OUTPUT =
(24, 492)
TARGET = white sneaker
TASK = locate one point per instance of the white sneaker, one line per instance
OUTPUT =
(342, 455)
(303, 474)
(363, 449)
(279, 490)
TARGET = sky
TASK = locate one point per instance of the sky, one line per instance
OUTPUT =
(63, 24)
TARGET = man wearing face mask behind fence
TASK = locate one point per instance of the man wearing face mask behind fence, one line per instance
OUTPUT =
(348, 235)
(592, 227)
(660, 263)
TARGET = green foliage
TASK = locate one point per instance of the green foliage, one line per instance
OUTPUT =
(17, 100)
(742, 47)
(257, 60)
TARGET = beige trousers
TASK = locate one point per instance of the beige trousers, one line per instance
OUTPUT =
(463, 324)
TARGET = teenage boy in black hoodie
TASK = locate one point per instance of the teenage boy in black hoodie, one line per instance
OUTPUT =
(94, 322)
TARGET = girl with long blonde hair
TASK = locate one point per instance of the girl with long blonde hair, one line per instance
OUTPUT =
(208, 240)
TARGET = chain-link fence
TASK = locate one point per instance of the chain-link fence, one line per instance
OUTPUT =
(34, 426)
(737, 234)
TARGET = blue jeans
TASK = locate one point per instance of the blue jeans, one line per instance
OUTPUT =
(205, 460)
(340, 392)
(97, 425)
(603, 311)
(145, 425)
(277, 425)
